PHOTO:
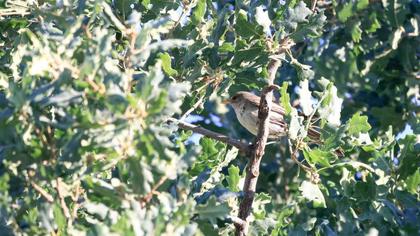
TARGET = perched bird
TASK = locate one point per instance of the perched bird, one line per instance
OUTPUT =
(246, 107)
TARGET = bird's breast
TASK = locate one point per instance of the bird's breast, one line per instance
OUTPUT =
(248, 117)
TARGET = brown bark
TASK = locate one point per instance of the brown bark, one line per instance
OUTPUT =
(252, 171)
(243, 147)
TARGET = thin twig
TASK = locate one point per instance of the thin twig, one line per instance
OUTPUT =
(252, 171)
(63, 204)
(293, 154)
(197, 104)
(149, 196)
(211, 134)
(76, 201)
(313, 5)
(43, 193)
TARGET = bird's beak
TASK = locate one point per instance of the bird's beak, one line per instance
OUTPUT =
(226, 101)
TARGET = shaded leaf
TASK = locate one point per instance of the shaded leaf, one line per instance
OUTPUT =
(410, 160)
(212, 210)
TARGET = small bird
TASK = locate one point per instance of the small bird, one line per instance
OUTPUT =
(246, 107)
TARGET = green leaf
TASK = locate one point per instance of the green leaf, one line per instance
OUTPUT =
(199, 11)
(413, 182)
(296, 124)
(101, 191)
(309, 224)
(362, 4)
(258, 207)
(410, 160)
(141, 175)
(249, 54)
(283, 215)
(244, 28)
(299, 13)
(330, 108)
(282, 9)
(233, 178)
(59, 218)
(285, 99)
(166, 64)
(212, 210)
(210, 156)
(123, 7)
(304, 71)
(365, 190)
(317, 156)
(373, 23)
(310, 29)
(158, 104)
(145, 3)
(311, 192)
(358, 124)
(356, 32)
(227, 47)
(345, 12)
(333, 138)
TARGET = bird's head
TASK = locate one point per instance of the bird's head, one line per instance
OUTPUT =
(237, 100)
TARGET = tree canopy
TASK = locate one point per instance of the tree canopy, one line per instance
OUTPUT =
(112, 119)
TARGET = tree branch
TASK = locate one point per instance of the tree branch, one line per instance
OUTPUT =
(43, 193)
(252, 173)
(214, 135)
(146, 199)
(237, 221)
(313, 5)
(63, 204)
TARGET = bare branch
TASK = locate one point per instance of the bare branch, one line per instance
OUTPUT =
(214, 135)
(148, 197)
(313, 5)
(76, 201)
(252, 173)
(237, 221)
(43, 193)
(63, 204)
(197, 104)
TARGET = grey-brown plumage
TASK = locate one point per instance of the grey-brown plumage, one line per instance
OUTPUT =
(246, 107)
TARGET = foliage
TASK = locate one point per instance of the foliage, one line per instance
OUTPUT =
(87, 87)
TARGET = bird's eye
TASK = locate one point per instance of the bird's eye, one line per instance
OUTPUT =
(234, 98)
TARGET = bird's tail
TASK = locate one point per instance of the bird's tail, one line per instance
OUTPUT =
(314, 135)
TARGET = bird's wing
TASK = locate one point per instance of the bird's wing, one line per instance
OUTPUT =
(254, 99)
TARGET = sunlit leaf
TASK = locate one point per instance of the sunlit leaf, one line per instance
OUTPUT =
(319, 157)
(358, 124)
(311, 192)
(345, 12)
(233, 178)
(166, 65)
(285, 98)
(199, 11)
